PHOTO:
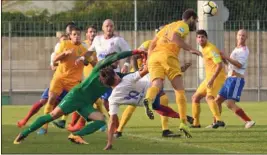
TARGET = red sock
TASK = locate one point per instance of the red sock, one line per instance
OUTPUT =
(167, 111)
(75, 118)
(240, 112)
(35, 108)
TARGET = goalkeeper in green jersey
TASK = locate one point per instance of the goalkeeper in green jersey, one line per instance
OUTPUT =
(81, 99)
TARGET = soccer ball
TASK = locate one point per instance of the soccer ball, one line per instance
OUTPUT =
(210, 8)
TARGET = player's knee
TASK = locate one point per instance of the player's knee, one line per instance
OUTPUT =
(196, 98)
(56, 113)
(209, 97)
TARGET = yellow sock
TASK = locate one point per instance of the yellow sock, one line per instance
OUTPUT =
(48, 108)
(181, 102)
(99, 106)
(127, 114)
(64, 117)
(164, 119)
(196, 113)
(151, 94)
(214, 109)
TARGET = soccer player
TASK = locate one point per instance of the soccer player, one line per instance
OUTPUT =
(69, 71)
(233, 86)
(80, 99)
(78, 122)
(48, 107)
(107, 43)
(215, 77)
(163, 61)
(39, 104)
(127, 113)
(130, 90)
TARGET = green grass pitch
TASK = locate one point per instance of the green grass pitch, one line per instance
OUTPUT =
(142, 135)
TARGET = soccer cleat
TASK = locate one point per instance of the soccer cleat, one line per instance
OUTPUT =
(168, 133)
(117, 134)
(195, 126)
(103, 128)
(190, 119)
(209, 126)
(249, 124)
(42, 131)
(21, 123)
(149, 113)
(19, 138)
(218, 124)
(60, 124)
(77, 139)
(185, 129)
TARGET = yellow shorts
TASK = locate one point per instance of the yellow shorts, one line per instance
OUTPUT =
(57, 85)
(205, 91)
(161, 64)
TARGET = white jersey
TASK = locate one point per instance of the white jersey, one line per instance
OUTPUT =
(241, 55)
(130, 91)
(104, 46)
(53, 55)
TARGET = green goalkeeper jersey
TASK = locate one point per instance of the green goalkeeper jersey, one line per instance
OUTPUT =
(91, 88)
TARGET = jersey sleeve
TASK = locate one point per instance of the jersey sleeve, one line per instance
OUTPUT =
(182, 30)
(124, 46)
(113, 108)
(215, 56)
(242, 57)
(52, 58)
(84, 48)
(135, 76)
(145, 45)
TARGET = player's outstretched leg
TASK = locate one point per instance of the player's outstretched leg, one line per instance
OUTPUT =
(57, 112)
(99, 121)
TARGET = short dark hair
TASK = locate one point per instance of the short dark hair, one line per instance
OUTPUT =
(91, 26)
(107, 76)
(75, 28)
(188, 14)
(202, 32)
(70, 24)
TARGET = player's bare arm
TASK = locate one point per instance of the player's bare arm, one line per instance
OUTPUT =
(230, 60)
(113, 121)
(134, 63)
(181, 43)
(219, 67)
(84, 58)
(62, 55)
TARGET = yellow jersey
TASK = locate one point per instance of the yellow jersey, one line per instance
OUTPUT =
(165, 34)
(211, 57)
(67, 68)
(87, 69)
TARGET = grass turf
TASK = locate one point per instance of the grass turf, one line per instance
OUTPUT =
(142, 135)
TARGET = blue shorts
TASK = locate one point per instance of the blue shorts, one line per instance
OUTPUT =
(232, 88)
(156, 103)
(46, 92)
(107, 94)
